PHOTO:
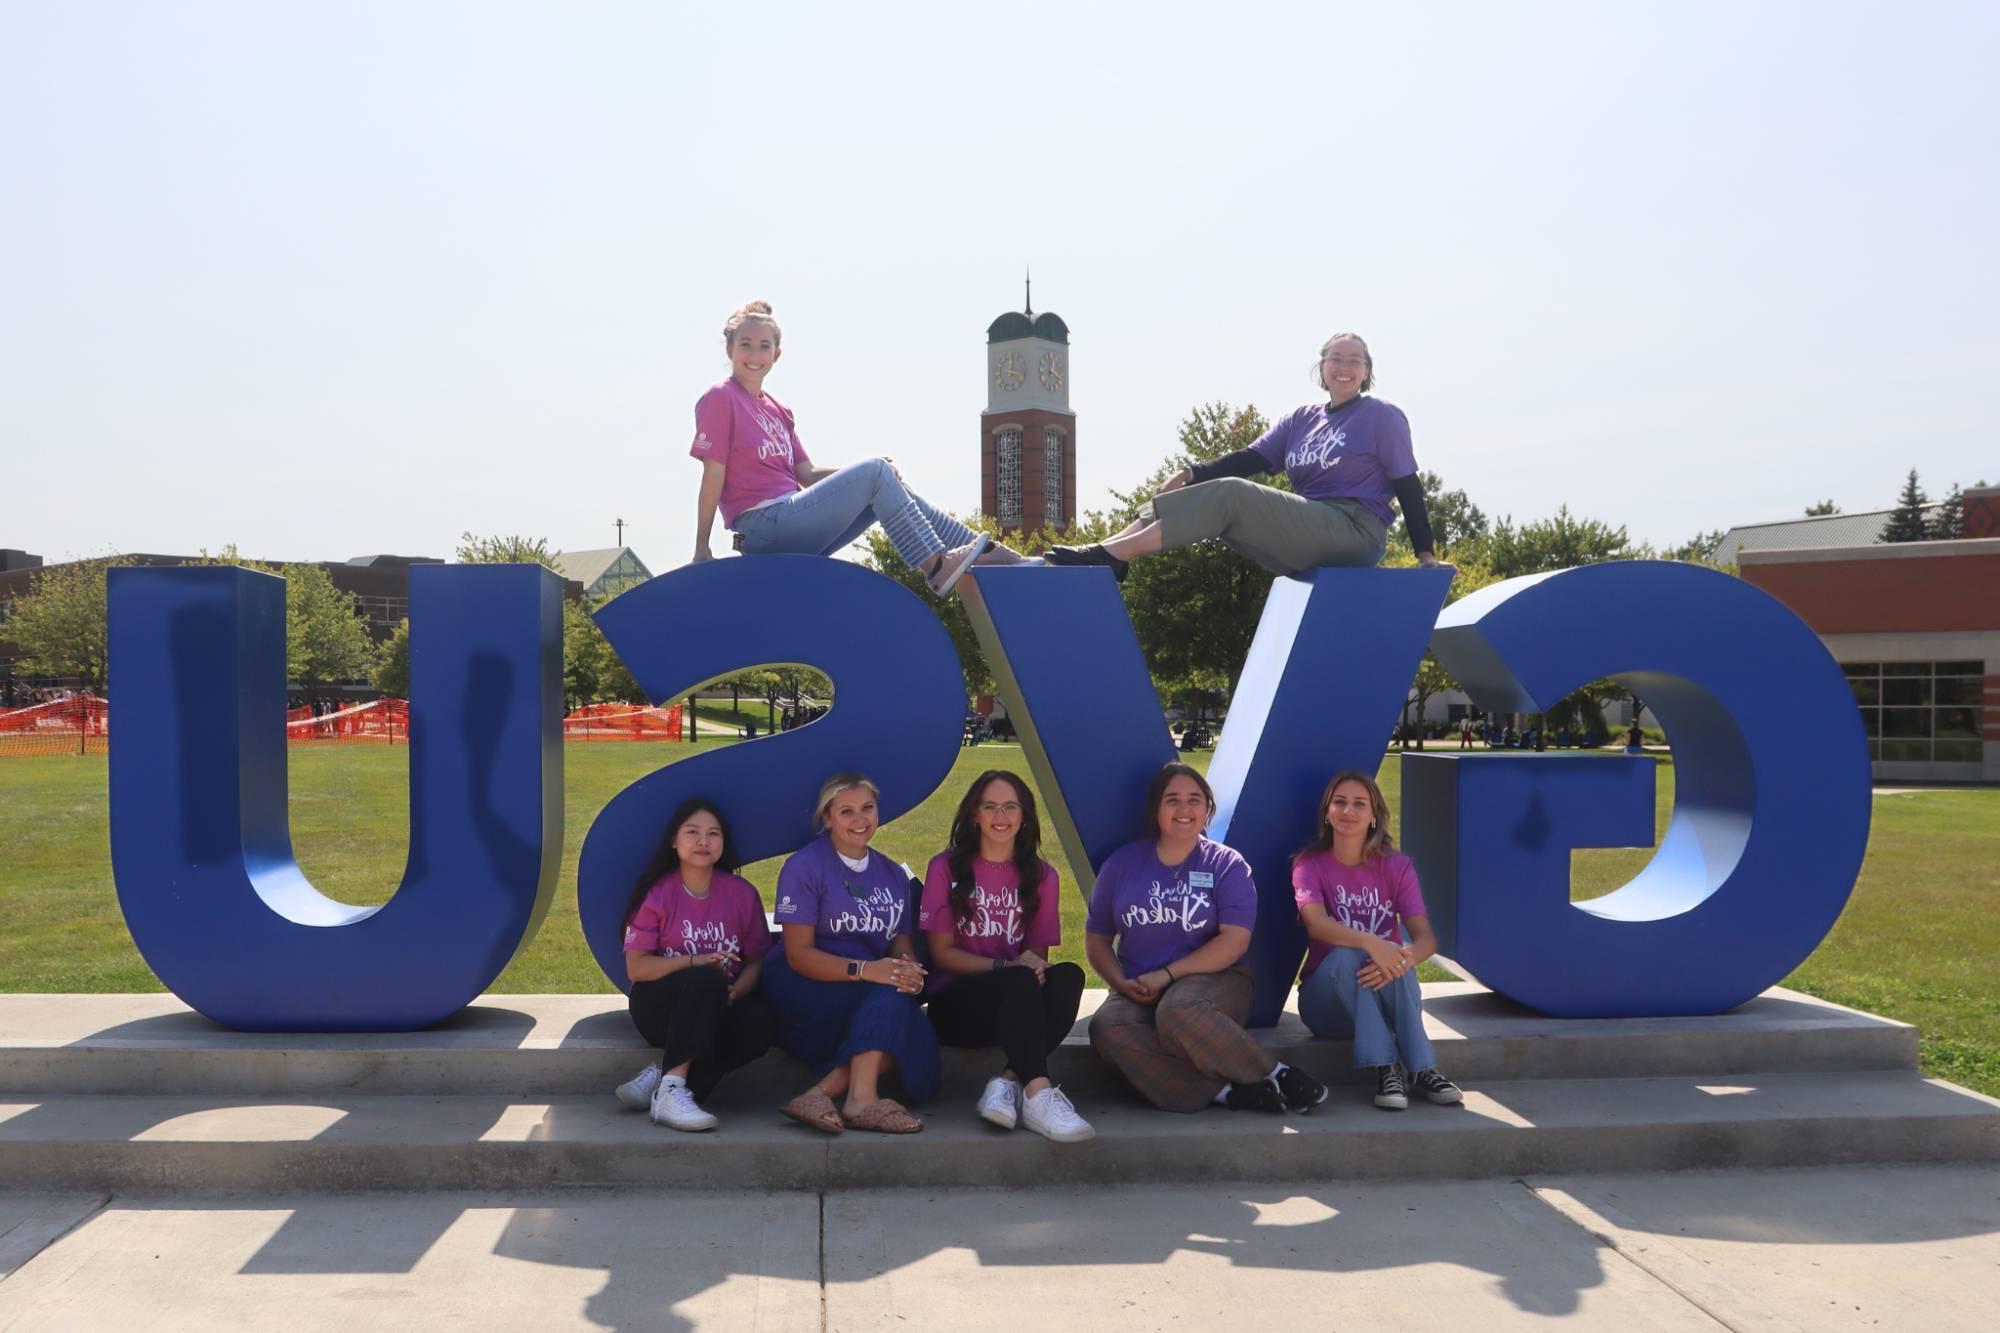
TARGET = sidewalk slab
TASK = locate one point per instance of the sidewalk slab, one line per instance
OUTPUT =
(557, 1045)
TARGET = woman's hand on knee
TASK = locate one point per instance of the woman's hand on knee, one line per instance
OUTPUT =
(1387, 962)
(1175, 482)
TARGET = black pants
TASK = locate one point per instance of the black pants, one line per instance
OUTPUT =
(1008, 1008)
(687, 1014)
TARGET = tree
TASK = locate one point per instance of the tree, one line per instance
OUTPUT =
(392, 672)
(1562, 542)
(1824, 509)
(1698, 550)
(1948, 523)
(1431, 678)
(508, 550)
(592, 670)
(326, 640)
(1195, 610)
(1910, 522)
(60, 624)
(1455, 520)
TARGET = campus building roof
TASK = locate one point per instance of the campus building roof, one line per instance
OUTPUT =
(603, 573)
(1798, 534)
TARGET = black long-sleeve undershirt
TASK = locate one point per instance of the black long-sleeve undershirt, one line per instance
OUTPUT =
(1409, 491)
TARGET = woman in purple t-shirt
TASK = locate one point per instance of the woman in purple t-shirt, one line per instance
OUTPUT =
(1345, 459)
(695, 940)
(754, 469)
(845, 979)
(991, 913)
(1169, 923)
(1367, 930)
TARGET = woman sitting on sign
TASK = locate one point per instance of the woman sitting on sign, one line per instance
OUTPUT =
(843, 978)
(695, 940)
(1345, 458)
(992, 911)
(1169, 923)
(754, 469)
(1364, 916)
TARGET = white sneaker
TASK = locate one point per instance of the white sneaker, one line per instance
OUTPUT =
(957, 561)
(637, 1094)
(674, 1106)
(1000, 1104)
(1049, 1114)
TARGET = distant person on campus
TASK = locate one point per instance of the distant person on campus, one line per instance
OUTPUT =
(1465, 733)
(1345, 459)
(992, 910)
(695, 940)
(1635, 738)
(845, 979)
(1169, 923)
(1367, 930)
(755, 471)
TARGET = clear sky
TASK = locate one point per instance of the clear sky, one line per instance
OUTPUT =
(337, 279)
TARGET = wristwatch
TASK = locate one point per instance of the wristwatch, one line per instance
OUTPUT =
(854, 967)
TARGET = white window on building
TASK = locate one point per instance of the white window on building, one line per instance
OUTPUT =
(1008, 478)
(1052, 480)
(1921, 712)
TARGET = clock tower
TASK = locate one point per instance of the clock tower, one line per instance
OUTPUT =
(1027, 434)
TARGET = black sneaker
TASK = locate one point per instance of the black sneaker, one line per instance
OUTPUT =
(1389, 1094)
(1088, 555)
(1300, 1090)
(1437, 1089)
(1263, 1095)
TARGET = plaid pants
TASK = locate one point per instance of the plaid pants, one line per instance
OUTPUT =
(1181, 1051)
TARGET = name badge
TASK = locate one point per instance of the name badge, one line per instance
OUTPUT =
(1200, 879)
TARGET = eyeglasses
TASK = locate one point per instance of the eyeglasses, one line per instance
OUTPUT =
(1006, 808)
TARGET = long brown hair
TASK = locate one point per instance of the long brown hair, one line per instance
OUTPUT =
(1379, 842)
(965, 846)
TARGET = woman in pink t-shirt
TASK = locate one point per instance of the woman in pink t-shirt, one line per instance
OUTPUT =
(991, 911)
(695, 940)
(755, 470)
(1364, 916)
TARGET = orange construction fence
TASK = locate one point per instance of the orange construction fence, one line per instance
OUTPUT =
(623, 722)
(73, 724)
(382, 721)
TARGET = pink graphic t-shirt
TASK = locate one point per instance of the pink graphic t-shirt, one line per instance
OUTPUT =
(754, 438)
(675, 924)
(1376, 896)
(996, 928)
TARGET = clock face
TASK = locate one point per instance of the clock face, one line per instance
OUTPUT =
(1052, 371)
(1008, 372)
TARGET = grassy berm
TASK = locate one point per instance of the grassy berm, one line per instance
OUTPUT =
(1920, 940)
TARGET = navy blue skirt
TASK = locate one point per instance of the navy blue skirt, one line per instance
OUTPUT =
(828, 1023)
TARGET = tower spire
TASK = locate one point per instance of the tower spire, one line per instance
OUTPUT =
(1029, 301)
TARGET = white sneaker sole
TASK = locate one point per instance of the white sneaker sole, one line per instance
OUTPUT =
(692, 1127)
(993, 1115)
(632, 1098)
(1451, 1098)
(1083, 1135)
(1392, 1103)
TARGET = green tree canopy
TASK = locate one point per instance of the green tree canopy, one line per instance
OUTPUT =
(326, 640)
(392, 672)
(511, 549)
(60, 624)
(1910, 522)
(1824, 509)
(1561, 542)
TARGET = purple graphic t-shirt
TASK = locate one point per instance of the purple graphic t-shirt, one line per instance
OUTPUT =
(754, 438)
(996, 928)
(1375, 896)
(853, 913)
(1161, 913)
(1348, 452)
(674, 923)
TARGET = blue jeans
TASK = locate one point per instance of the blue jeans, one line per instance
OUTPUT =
(1386, 1024)
(833, 511)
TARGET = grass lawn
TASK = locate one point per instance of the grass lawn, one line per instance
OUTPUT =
(1919, 941)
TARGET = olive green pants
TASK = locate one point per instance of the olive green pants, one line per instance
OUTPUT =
(1282, 532)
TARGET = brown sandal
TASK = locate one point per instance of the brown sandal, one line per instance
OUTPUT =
(884, 1116)
(815, 1109)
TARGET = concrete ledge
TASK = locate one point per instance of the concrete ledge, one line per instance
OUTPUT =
(111, 1144)
(563, 1045)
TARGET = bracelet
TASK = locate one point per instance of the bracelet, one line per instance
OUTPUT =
(1169, 970)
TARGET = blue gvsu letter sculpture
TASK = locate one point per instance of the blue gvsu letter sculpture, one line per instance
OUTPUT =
(1770, 822)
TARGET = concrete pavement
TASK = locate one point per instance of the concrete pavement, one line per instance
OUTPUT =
(1825, 1249)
